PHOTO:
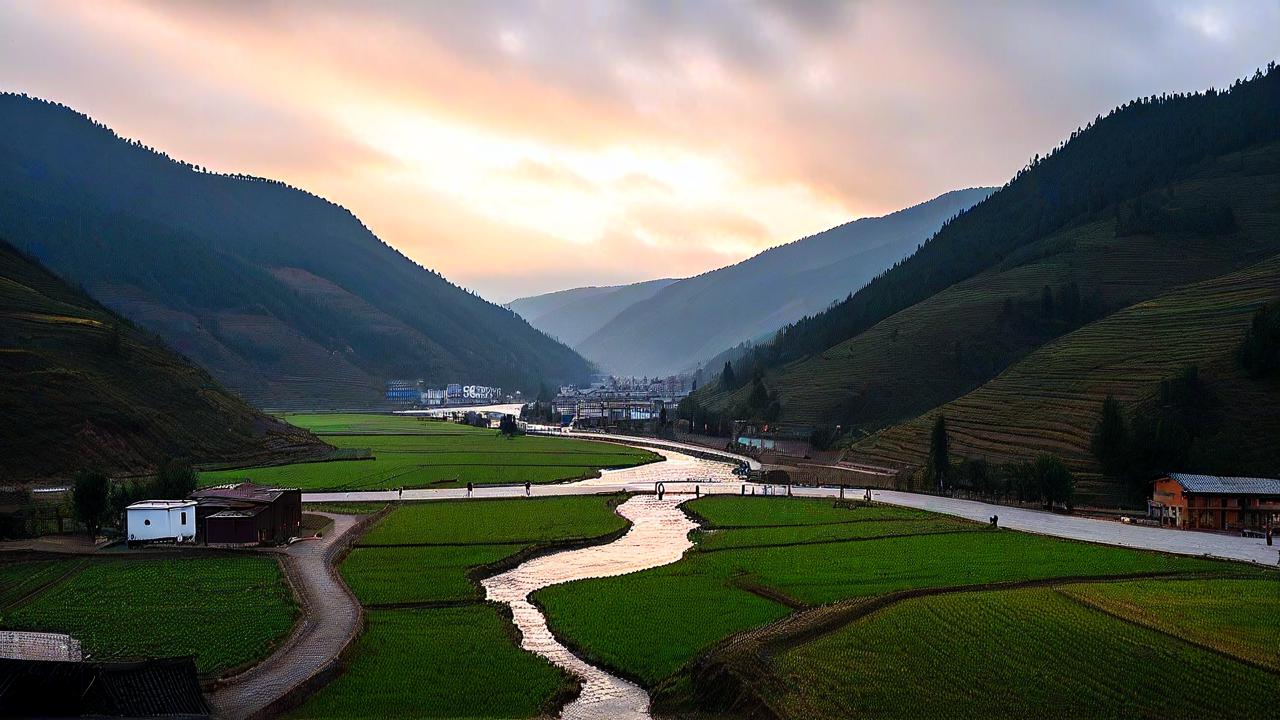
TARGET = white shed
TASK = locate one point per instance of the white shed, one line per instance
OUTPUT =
(162, 520)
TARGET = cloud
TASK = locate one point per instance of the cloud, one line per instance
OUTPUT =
(611, 140)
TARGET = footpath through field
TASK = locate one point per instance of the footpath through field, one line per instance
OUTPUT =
(330, 620)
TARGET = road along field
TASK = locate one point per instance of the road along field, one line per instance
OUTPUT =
(227, 611)
(830, 568)
(399, 451)
(433, 646)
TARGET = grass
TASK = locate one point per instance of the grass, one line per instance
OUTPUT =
(226, 611)
(1010, 654)
(1240, 618)
(439, 663)
(649, 624)
(421, 574)
(19, 579)
(498, 521)
(413, 453)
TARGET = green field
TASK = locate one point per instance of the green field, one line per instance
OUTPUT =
(439, 663)
(455, 656)
(17, 580)
(422, 574)
(226, 611)
(1240, 618)
(650, 624)
(498, 521)
(412, 453)
(1010, 654)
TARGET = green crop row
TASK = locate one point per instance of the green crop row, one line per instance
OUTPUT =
(226, 611)
(1010, 654)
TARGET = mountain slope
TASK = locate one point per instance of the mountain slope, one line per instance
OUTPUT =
(693, 319)
(81, 387)
(572, 315)
(1162, 192)
(1138, 147)
(1051, 400)
(956, 340)
(285, 297)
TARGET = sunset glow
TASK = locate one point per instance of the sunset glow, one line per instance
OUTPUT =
(521, 148)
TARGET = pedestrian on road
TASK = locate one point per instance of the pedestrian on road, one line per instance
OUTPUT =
(401, 497)
(470, 487)
(526, 488)
(697, 491)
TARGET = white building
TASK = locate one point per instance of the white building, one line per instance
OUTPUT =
(149, 520)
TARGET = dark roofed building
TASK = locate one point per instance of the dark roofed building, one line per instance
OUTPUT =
(1216, 502)
(165, 687)
(245, 513)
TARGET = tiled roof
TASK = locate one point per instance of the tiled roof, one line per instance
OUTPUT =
(1224, 485)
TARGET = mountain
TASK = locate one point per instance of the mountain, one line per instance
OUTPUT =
(286, 298)
(82, 387)
(1051, 400)
(1163, 192)
(572, 315)
(691, 320)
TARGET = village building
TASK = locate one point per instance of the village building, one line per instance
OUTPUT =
(161, 520)
(1213, 502)
(245, 514)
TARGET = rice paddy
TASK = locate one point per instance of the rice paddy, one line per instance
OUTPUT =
(412, 452)
(226, 611)
(650, 624)
(1011, 654)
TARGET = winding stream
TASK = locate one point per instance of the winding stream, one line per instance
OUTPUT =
(658, 536)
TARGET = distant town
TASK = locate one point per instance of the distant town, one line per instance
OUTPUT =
(605, 401)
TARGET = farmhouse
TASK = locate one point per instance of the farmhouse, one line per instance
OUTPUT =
(1212, 502)
(151, 520)
(245, 513)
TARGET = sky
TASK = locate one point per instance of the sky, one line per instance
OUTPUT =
(524, 147)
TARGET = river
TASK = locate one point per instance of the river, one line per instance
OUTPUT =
(658, 536)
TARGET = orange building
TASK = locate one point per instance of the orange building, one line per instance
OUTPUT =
(1213, 502)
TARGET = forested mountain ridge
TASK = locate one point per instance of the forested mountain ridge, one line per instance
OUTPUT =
(572, 315)
(691, 320)
(83, 388)
(284, 296)
(1143, 144)
(1207, 217)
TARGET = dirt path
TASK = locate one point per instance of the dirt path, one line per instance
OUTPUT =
(331, 620)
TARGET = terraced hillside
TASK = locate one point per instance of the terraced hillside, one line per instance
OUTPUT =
(1051, 400)
(82, 387)
(938, 349)
(284, 297)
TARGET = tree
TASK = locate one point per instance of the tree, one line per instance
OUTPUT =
(1111, 438)
(1055, 483)
(175, 481)
(1260, 349)
(758, 400)
(939, 458)
(90, 497)
(727, 379)
(507, 426)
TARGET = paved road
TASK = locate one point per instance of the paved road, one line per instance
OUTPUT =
(331, 620)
